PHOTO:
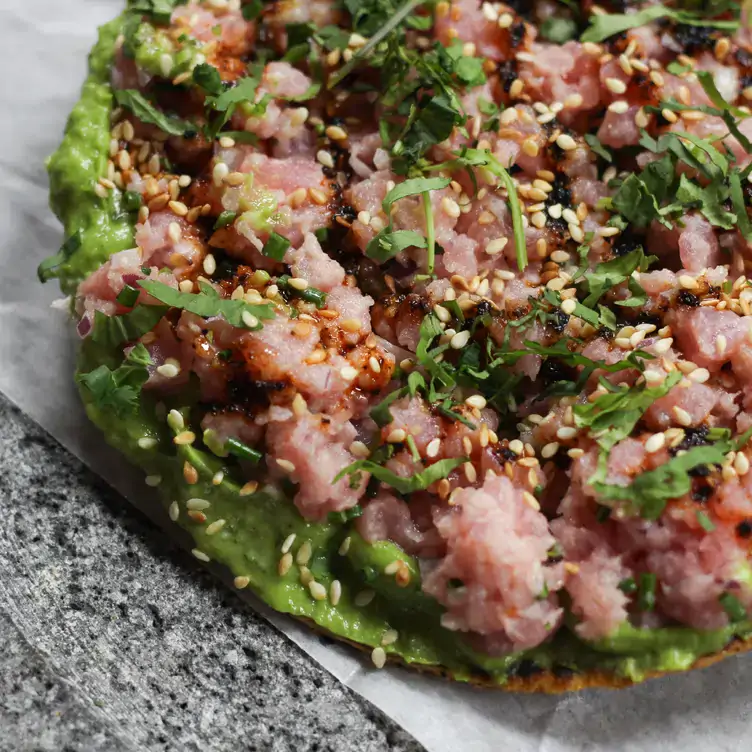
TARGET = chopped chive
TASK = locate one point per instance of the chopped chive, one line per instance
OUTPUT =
(310, 294)
(430, 231)
(733, 607)
(242, 451)
(276, 247)
(224, 219)
(131, 201)
(128, 296)
(628, 585)
(705, 522)
(410, 441)
(646, 591)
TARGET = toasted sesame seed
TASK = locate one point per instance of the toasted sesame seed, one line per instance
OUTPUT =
(397, 436)
(476, 400)
(450, 207)
(287, 543)
(174, 511)
(200, 555)
(344, 546)
(286, 465)
(687, 282)
(619, 106)
(566, 142)
(549, 450)
(741, 464)
(374, 364)
(335, 592)
(318, 196)
(241, 582)
(209, 264)
(248, 488)
(389, 637)
(284, 565)
(336, 133)
(569, 306)
(197, 505)
(184, 438)
(505, 20)
(298, 283)
(530, 500)
(364, 597)
(683, 418)
(699, 375)
(616, 85)
(720, 344)
(317, 590)
(496, 245)
(470, 472)
(460, 340)
(378, 657)
(655, 442)
(663, 345)
(348, 373)
(530, 147)
(249, 319)
(215, 527)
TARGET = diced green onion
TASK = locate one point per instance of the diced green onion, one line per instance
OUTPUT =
(276, 247)
(224, 219)
(733, 607)
(628, 585)
(242, 451)
(646, 594)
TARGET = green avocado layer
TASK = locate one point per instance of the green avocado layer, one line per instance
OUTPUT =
(256, 525)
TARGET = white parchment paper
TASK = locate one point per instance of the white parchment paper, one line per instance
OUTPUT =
(43, 48)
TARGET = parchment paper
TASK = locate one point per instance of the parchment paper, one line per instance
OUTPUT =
(43, 47)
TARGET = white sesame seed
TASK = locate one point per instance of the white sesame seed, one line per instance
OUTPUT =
(741, 464)
(317, 590)
(496, 246)
(378, 657)
(348, 373)
(663, 345)
(285, 564)
(570, 217)
(174, 511)
(530, 500)
(687, 282)
(336, 133)
(210, 264)
(389, 637)
(460, 340)
(325, 158)
(450, 207)
(147, 442)
(241, 582)
(298, 283)
(655, 442)
(215, 527)
(549, 450)
(364, 217)
(185, 285)
(286, 465)
(344, 546)
(433, 447)
(699, 375)
(174, 233)
(616, 85)
(476, 400)
(720, 344)
(249, 319)
(364, 597)
(287, 543)
(200, 555)
(619, 106)
(683, 418)
(568, 306)
(220, 172)
(335, 592)
(374, 364)
(197, 505)
(516, 446)
(304, 553)
(397, 436)
(566, 142)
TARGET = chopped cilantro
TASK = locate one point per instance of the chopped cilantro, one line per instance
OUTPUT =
(147, 112)
(50, 267)
(420, 481)
(112, 331)
(128, 296)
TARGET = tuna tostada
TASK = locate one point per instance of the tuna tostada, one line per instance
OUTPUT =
(430, 320)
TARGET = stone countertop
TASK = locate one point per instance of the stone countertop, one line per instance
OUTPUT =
(112, 638)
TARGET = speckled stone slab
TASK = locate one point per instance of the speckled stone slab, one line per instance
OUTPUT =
(112, 638)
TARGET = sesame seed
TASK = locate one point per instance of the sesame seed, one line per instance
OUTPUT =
(286, 465)
(317, 590)
(619, 106)
(348, 373)
(241, 582)
(374, 364)
(496, 246)
(335, 592)
(538, 219)
(575, 453)
(741, 464)
(344, 546)
(669, 115)
(476, 400)
(378, 657)
(364, 597)
(304, 553)
(235, 179)
(655, 442)
(336, 133)
(720, 344)
(318, 196)
(209, 264)
(169, 370)
(215, 527)
(146, 442)
(287, 543)
(174, 511)
(184, 438)
(218, 477)
(174, 233)
(530, 500)
(197, 505)
(249, 319)
(325, 158)
(569, 306)
(505, 20)
(699, 375)
(460, 340)
(306, 577)
(566, 142)
(284, 565)
(616, 85)
(185, 285)
(687, 282)
(664, 345)
(530, 147)
(516, 446)
(549, 450)
(200, 555)
(397, 436)
(683, 418)
(298, 283)
(450, 207)
(470, 472)
(574, 100)
(389, 637)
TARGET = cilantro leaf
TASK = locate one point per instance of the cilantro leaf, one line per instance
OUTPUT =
(145, 111)
(207, 303)
(112, 331)
(50, 267)
(207, 77)
(118, 390)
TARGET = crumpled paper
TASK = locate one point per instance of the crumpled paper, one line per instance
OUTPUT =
(43, 59)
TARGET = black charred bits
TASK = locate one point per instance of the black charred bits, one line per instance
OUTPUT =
(687, 298)
(526, 668)
(558, 321)
(695, 38)
(701, 491)
(625, 245)
(744, 529)
(693, 437)
(553, 370)
(507, 71)
(517, 34)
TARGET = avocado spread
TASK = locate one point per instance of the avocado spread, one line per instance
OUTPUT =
(252, 527)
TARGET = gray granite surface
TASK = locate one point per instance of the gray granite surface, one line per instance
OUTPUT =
(111, 638)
